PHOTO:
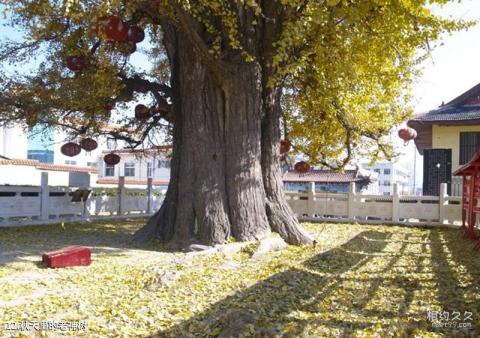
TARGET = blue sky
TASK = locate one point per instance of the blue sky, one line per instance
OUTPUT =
(454, 67)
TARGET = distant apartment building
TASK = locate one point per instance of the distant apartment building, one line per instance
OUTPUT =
(41, 146)
(137, 166)
(390, 173)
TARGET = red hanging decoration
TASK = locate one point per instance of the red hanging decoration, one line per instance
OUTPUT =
(126, 48)
(107, 107)
(31, 117)
(135, 34)
(112, 28)
(76, 63)
(142, 112)
(70, 149)
(88, 144)
(285, 146)
(111, 159)
(407, 134)
(302, 167)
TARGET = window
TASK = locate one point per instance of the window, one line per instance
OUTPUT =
(40, 144)
(377, 171)
(129, 169)
(44, 156)
(165, 163)
(69, 162)
(469, 143)
(111, 143)
(110, 170)
(92, 164)
(386, 171)
(149, 169)
(386, 183)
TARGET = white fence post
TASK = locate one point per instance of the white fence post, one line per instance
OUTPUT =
(44, 196)
(442, 202)
(121, 196)
(311, 197)
(149, 195)
(395, 203)
(351, 201)
(86, 207)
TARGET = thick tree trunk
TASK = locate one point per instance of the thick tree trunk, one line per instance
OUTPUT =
(281, 217)
(225, 177)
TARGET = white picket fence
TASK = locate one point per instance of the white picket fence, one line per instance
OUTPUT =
(395, 209)
(23, 205)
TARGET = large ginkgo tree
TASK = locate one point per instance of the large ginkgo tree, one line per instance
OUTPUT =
(228, 80)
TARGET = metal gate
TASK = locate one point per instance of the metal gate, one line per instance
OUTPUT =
(437, 168)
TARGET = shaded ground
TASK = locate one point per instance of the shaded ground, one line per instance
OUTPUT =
(361, 280)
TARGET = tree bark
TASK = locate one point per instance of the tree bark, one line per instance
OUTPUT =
(225, 178)
(280, 214)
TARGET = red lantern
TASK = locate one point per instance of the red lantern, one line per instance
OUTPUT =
(112, 27)
(88, 144)
(76, 63)
(135, 34)
(285, 146)
(31, 117)
(107, 107)
(142, 112)
(70, 149)
(127, 47)
(407, 134)
(112, 159)
(302, 167)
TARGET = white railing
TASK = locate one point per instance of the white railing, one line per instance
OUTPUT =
(457, 186)
(44, 204)
(396, 208)
(22, 205)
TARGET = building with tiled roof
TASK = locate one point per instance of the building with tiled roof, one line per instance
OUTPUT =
(28, 172)
(47, 166)
(332, 181)
(39, 149)
(447, 137)
(141, 151)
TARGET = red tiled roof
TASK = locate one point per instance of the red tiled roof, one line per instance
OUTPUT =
(70, 168)
(325, 176)
(47, 166)
(132, 181)
(158, 149)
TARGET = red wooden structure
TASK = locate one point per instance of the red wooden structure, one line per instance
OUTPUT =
(470, 196)
(70, 256)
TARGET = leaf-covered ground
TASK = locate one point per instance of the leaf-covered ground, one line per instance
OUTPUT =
(360, 280)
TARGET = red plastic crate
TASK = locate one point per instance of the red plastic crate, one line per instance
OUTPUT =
(75, 255)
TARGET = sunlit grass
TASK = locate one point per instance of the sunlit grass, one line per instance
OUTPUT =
(360, 280)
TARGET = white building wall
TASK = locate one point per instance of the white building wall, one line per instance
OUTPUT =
(160, 166)
(390, 173)
(30, 176)
(13, 142)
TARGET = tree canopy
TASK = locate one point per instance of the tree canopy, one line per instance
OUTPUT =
(344, 66)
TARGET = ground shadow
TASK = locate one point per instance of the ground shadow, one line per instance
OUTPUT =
(457, 253)
(272, 305)
(114, 237)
